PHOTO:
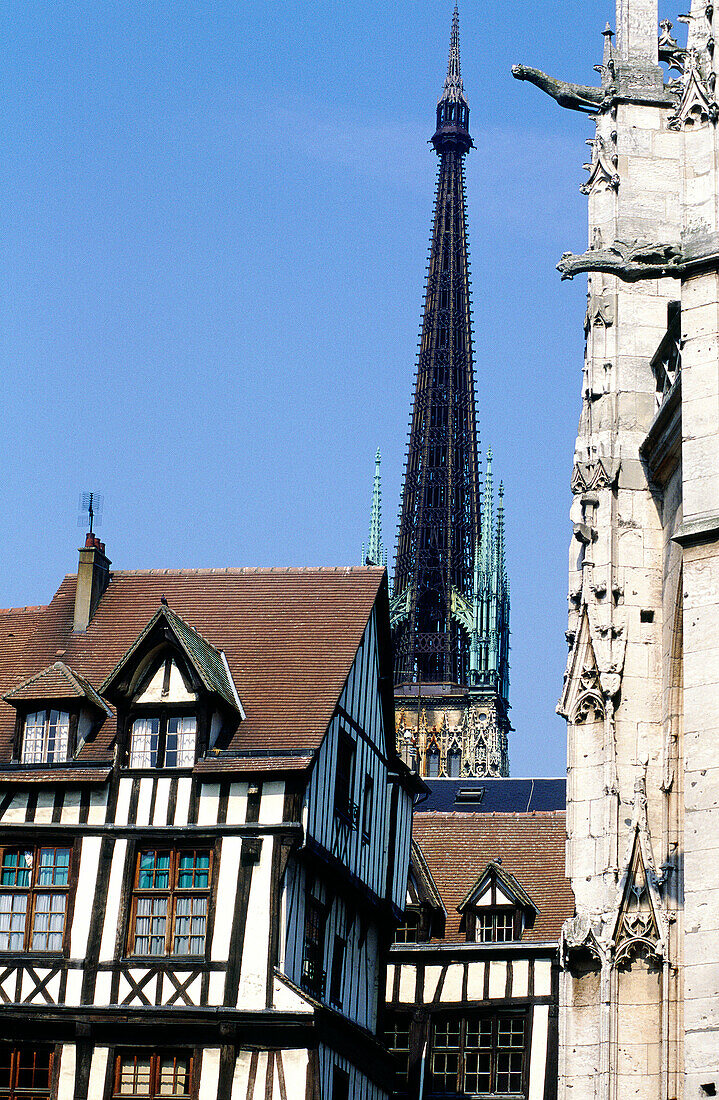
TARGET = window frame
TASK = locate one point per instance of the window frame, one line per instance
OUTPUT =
(495, 913)
(367, 807)
(397, 1023)
(155, 1055)
(313, 975)
(34, 889)
(46, 706)
(462, 1050)
(345, 768)
(337, 971)
(163, 713)
(12, 1092)
(172, 893)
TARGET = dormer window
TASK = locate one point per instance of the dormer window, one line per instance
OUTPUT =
(46, 737)
(163, 741)
(497, 909)
(497, 926)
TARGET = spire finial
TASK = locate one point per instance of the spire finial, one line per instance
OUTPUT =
(376, 554)
(487, 535)
(453, 91)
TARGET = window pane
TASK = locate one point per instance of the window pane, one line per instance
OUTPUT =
(193, 871)
(154, 873)
(135, 1076)
(13, 910)
(58, 729)
(54, 867)
(16, 868)
(33, 1071)
(32, 744)
(180, 744)
(174, 1076)
(48, 922)
(190, 926)
(150, 926)
(144, 740)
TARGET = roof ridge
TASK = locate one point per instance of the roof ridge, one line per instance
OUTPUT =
(28, 607)
(238, 569)
(472, 815)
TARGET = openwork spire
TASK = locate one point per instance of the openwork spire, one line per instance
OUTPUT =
(453, 88)
(376, 553)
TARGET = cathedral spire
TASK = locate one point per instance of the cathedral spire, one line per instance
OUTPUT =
(452, 107)
(376, 553)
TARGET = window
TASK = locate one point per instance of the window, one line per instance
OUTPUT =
(482, 1055)
(25, 1072)
(313, 976)
(344, 781)
(164, 741)
(34, 887)
(46, 737)
(432, 763)
(408, 931)
(338, 967)
(169, 902)
(496, 926)
(152, 1075)
(367, 807)
(454, 760)
(397, 1041)
(340, 1084)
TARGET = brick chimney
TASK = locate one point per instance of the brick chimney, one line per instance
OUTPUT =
(93, 577)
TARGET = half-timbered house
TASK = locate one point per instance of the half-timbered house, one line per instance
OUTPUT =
(473, 982)
(204, 835)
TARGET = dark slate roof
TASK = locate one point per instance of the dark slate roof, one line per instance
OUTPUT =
(494, 796)
(290, 637)
(458, 846)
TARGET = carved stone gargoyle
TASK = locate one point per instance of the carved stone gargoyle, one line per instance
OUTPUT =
(629, 260)
(577, 97)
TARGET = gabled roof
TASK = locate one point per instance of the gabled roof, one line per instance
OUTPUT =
(458, 846)
(425, 886)
(290, 637)
(209, 663)
(512, 888)
(57, 681)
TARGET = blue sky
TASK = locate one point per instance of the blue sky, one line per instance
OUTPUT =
(215, 219)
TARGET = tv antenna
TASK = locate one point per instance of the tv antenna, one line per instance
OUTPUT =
(90, 508)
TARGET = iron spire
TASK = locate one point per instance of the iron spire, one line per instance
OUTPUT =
(376, 553)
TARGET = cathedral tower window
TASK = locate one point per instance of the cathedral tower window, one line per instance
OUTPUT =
(26, 1073)
(46, 737)
(170, 902)
(34, 890)
(152, 1075)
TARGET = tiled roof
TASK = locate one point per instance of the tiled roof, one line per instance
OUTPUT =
(290, 637)
(458, 847)
(57, 682)
(502, 796)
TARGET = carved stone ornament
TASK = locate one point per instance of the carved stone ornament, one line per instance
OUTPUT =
(577, 97)
(588, 476)
(590, 704)
(697, 106)
(603, 167)
(639, 924)
(600, 308)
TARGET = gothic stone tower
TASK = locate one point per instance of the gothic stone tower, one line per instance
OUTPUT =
(450, 610)
(640, 992)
